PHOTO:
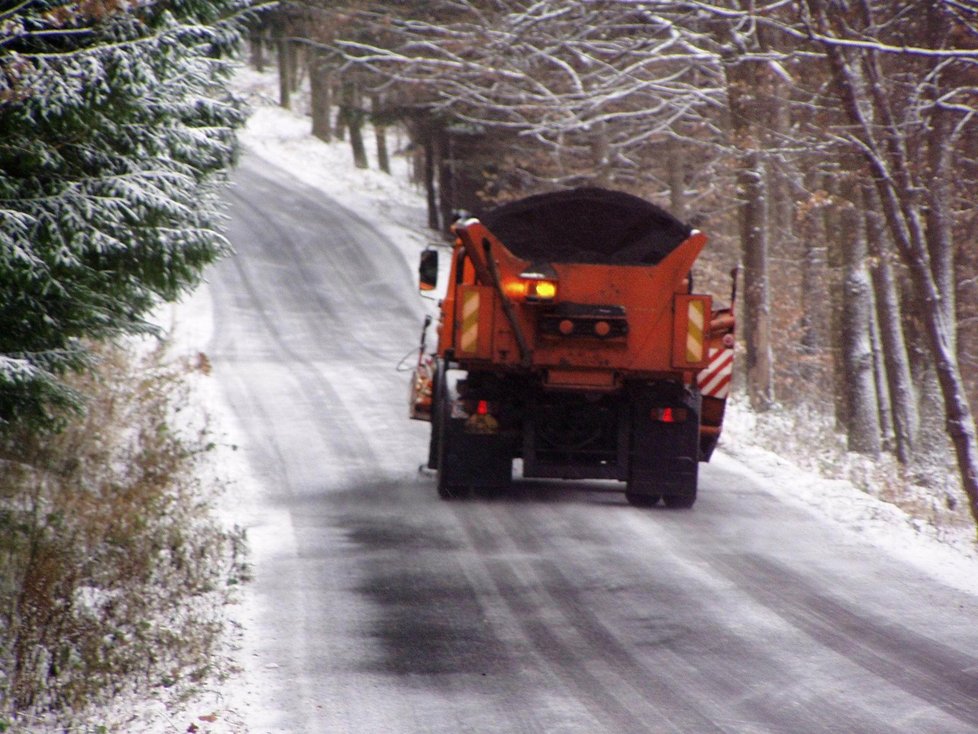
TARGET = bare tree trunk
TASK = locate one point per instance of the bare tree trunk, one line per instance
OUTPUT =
(677, 180)
(742, 82)
(320, 90)
(257, 46)
(429, 173)
(903, 401)
(599, 154)
(883, 402)
(814, 294)
(284, 83)
(938, 190)
(862, 416)
(353, 115)
(757, 326)
(446, 178)
(380, 133)
(341, 124)
(296, 52)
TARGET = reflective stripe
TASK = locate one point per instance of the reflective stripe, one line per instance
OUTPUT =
(714, 381)
(470, 321)
(694, 337)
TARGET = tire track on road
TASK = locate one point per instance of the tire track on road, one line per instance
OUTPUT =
(922, 668)
(575, 647)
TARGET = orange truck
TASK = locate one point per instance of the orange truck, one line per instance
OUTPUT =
(570, 337)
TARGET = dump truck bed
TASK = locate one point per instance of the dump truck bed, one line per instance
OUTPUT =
(587, 225)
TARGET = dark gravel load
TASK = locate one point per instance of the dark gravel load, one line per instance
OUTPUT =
(587, 225)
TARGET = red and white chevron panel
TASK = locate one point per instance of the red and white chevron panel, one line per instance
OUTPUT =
(714, 380)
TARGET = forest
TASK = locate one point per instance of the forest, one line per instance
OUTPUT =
(827, 147)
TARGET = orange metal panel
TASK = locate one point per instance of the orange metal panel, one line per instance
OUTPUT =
(646, 293)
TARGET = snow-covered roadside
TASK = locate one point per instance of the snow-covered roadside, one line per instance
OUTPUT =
(947, 554)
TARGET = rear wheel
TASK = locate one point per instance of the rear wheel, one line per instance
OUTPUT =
(680, 501)
(642, 500)
(447, 489)
(437, 399)
(664, 445)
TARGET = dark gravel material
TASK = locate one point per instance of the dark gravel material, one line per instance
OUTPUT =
(587, 225)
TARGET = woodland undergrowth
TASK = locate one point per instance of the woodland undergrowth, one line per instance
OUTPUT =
(114, 570)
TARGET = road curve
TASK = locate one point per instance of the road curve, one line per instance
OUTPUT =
(551, 608)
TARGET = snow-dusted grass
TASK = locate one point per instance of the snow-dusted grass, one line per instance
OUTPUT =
(115, 573)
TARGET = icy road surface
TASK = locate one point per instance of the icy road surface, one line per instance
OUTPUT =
(555, 607)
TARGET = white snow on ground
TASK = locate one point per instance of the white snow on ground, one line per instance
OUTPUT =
(397, 208)
(949, 554)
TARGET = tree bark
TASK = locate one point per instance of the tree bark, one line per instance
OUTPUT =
(814, 294)
(353, 115)
(742, 81)
(341, 124)
(939, 175)
(295, 65)
(446, 176)
(284, 84)
(862, 416)
(903, 401)
(257, 47)
(429, 172)
(601, 174)
(380, 133)
(677, 180)
(757, 325)
(320, 90)
(883, 402)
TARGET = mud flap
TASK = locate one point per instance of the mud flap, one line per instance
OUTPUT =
(472, 461)
(467, 460)
(665, 443)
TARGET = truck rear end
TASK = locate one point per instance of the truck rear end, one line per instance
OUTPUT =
(570, 337)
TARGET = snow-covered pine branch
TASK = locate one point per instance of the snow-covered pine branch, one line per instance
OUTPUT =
(115, 128)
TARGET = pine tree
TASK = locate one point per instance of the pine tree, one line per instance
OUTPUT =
(116, 129)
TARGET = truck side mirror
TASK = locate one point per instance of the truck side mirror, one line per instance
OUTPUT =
(428, 270)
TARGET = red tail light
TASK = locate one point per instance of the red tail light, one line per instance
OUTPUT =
(670, 415)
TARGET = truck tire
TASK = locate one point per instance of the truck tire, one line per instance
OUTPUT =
(447, 488)
(437, 398)
(664, 453)
(680, 501)
(454, 480)
(637, 499)
(469, 459)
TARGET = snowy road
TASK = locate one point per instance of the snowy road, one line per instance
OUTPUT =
(552, 608)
